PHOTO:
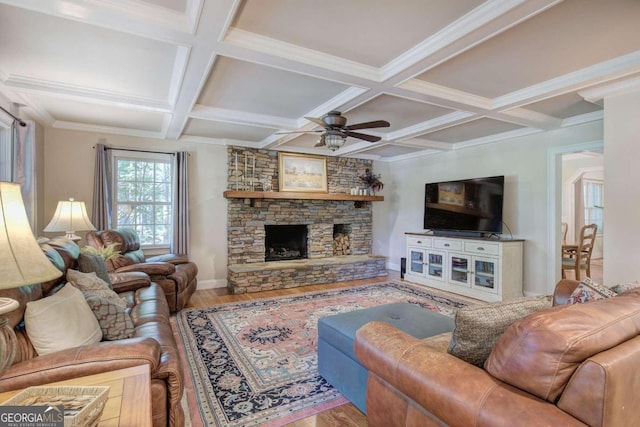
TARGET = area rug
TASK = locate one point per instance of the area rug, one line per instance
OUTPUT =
(255, 363)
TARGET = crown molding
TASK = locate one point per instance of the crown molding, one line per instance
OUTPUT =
(273, 47)
(61, 124)
(443, 92)
(472, 21)
(86, 94)
(601, 72)
(598, 93)
(516, 133)
(583, 118)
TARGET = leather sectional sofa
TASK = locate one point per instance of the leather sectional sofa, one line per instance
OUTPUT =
(153, 343)
(570, 365)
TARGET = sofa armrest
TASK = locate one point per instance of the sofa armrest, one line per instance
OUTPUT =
(81, 361)
(130, 281)
(174, 259)
(563, 291)
(455, 392)
(151, 268)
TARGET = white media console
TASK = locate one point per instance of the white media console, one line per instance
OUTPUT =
(489, 270)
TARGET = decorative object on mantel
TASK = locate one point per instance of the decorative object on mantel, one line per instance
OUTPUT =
(302, 172)
(246, 180)
(371, 181)
(267, 184)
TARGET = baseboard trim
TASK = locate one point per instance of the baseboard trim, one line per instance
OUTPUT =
(394, 267)
(212, 284)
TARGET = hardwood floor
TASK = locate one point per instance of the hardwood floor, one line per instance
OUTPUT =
(342, 416)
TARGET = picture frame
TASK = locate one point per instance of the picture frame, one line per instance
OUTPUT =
(302, 172)
(451, 193)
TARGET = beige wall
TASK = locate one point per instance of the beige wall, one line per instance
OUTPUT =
(622, 153)
(68, 172)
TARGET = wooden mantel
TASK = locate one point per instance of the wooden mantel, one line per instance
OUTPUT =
(298, 195)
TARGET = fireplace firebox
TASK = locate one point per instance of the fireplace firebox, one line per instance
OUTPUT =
(285, 242)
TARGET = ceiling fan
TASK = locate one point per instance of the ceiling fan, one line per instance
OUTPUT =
(335, 130)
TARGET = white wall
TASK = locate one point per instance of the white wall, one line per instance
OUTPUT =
(622, 197)
(522, 161)
(69, 165)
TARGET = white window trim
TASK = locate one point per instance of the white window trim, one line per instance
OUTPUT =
(6, 152)
(135, 155)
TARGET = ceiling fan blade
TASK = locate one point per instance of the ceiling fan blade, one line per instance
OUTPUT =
(369, 125)
(366, 137)
(316, 121)
(299, 131)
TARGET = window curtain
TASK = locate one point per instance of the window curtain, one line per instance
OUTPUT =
(101, 208)
(180, 240)
(24, 148)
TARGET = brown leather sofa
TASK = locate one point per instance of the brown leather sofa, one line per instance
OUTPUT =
(571, 365)
(153, 343)
(174, 273)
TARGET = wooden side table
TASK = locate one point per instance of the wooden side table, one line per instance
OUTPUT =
(129, 401)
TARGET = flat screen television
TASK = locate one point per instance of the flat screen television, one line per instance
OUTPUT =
(470, 205)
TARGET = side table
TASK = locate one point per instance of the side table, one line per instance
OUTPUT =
(129, 401)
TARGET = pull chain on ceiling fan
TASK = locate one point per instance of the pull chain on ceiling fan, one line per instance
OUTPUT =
(336, 131)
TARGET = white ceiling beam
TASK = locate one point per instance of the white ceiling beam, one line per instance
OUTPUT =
(598, 93)
(203, 112)
(530, 118)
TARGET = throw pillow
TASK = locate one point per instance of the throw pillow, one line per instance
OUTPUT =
(92, 263)
(624, 287)
(478, 327)
(89, 282)
(63, 320)
(115, 322)
(588, 290)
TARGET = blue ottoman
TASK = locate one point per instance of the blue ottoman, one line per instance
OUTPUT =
(337, 362)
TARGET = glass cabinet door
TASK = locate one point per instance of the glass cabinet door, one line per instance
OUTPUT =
(459, 271)
(416, 264)
(435, 265)
(485, 276)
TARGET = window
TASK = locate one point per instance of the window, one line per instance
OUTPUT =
(143, 184)
(593, 203)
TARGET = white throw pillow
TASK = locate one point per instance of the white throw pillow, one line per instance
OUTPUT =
(63, 320)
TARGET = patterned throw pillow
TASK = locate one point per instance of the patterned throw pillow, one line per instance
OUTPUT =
(92, 263)
(478, 327)
(115, 322)
(588, 290)
(624, 287)
(89, 282)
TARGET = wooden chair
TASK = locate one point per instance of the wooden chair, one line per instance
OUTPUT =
(565, 229)
(581, 258)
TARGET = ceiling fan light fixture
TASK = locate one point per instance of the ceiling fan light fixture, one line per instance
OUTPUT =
(334, 140)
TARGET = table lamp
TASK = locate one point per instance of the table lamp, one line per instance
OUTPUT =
(22, 262)
(70, 216)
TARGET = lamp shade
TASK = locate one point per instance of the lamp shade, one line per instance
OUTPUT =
(22, 261)
(334, 140)
(70, 216)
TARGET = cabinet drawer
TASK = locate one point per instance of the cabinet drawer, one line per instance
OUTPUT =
(425, 242)
(452, 245)
(482, 248)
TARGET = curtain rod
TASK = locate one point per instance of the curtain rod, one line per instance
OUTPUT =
(16, 118)
(137, 151)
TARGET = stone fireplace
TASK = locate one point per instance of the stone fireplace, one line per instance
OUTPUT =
(281, 243)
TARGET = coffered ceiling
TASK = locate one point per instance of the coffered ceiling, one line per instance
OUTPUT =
(445, 74)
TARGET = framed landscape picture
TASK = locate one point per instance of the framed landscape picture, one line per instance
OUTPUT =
(302, 172)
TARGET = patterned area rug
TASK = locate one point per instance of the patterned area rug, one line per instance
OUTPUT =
(255, 363)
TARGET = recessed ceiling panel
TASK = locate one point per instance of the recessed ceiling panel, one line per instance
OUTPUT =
(365, 31)
(567, 37)
(245, 86)
(210, 129)
(399, 112)
(471, 130)
(48, 48)
(101, 115)
(304, 141)
(568, 105)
